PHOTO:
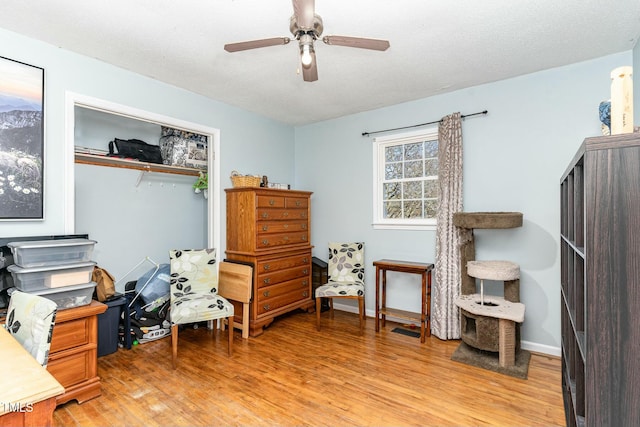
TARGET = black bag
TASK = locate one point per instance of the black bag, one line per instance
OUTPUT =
(135, 149)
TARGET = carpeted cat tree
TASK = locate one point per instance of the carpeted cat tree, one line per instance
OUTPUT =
(490, 325)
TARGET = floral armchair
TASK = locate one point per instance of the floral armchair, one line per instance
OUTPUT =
(194, 293)
(346, 278)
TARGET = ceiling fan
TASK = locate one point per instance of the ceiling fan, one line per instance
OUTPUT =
(307, 27)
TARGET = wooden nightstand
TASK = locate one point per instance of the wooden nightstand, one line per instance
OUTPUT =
(73, 358)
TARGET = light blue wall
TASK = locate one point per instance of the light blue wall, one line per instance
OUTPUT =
(513, 160)
(249, 143)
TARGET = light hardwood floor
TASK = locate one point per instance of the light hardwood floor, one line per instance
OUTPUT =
(293, 375)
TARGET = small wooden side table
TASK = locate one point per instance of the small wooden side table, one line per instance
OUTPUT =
(423, 269)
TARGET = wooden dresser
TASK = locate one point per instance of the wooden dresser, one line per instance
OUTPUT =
(73, 357)
(270, 228)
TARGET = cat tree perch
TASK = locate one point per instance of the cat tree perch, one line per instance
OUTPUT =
(466, 222)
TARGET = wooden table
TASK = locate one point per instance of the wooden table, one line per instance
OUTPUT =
(424, 317)
(27, 391)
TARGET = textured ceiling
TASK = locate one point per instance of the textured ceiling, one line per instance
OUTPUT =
(436, 46)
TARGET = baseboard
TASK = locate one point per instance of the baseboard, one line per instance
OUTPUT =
(547, 350)
(527, 345)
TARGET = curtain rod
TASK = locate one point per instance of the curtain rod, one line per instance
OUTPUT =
(423, 124)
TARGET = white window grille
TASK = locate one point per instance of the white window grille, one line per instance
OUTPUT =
(406, 180)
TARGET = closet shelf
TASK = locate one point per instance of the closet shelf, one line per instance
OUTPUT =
(114, 162)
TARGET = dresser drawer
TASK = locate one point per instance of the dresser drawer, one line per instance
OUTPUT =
(282, 226)
(296, 202)
(69, 334)
(271, 202)
(281, 301)
(270, 292)
(265, 214)
(275, 277)
(72, 369)
(284, 263)
(281, 239)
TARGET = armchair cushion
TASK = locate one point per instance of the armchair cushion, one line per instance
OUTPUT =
(337, 289)
(346, 262)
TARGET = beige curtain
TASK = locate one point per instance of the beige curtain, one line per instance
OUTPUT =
(445, 319)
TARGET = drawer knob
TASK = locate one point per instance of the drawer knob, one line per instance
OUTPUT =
(304, 238)
(305, 283)
(265, 293)
(304, 226)
(265, 215)
(266, 281)
(305, 259)
(272, 202)
(286, 226)
(266, 307)
(286, 238)
(298, 203)
(303, 215)
(265, 242)
(267, 266)
(285, 214)
(305, 294)
(305, 271)
(265, 227)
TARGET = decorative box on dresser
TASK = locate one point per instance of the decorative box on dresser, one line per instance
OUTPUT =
(73, 356)
(270, 228)
(600, 280)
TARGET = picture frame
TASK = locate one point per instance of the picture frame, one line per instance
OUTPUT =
(21, 141)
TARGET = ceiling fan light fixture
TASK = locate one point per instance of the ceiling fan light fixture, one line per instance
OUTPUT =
(306, 50)
(307, 27)
(306, 57)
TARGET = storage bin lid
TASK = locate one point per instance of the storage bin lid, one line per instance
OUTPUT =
(13, 268)
(37, 244)
(115, 302)
(60, 290)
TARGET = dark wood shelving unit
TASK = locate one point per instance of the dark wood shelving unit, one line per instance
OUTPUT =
(600, 285)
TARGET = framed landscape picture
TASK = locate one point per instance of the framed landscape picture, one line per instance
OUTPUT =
(21, 141)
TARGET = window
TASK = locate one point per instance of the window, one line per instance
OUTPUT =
(406, 180)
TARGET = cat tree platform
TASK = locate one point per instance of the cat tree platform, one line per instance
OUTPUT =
(507, 313)
(487, 220)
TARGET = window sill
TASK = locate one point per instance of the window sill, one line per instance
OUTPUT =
(411, 227)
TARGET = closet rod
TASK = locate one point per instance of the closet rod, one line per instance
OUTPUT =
(422, 124)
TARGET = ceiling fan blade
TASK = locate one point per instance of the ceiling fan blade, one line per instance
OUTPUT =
(255, 44)
(311, 74)
(373, 44)
(304, 10)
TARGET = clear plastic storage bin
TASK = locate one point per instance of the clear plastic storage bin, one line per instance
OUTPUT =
(41, 253)
(69, 296)
(41, 278)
